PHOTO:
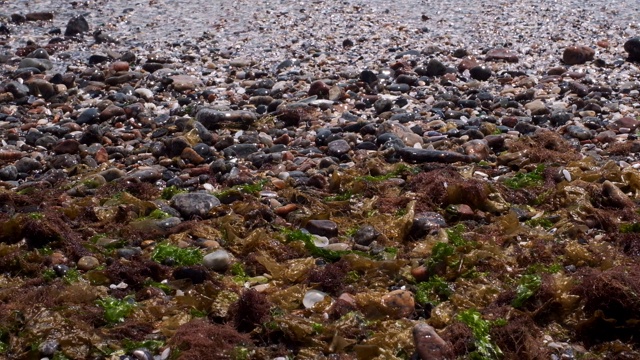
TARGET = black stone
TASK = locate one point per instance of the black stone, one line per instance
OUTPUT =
(76, 25)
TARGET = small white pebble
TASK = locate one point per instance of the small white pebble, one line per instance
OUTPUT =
(567, 174)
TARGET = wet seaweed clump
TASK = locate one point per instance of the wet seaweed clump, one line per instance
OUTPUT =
(331, 278)
(135, 272)
(517, 336)
(200, 339)
(611, 304)
(250, 311)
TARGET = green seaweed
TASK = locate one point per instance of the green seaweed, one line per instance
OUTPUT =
(307, 239)
(522, 180)
(629, 228)
(171, 191)
(439, 254)
(485, 349)
(116, 310)
(251, 189)
(180, 256)
(433, 291)
(454, 234)
(528, 285)
(542, 222)
(151, 345)
(340, 197)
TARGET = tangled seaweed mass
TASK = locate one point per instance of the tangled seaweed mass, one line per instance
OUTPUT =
(319, 180)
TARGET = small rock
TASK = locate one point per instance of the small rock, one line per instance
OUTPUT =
(40, 64)
(382, 105)
(39, 54)
(41, 88)
(87, 263)
(578, 54)
(579, 132)
(426, 223)
(502, 54)
(214, 119)
(615, 196)
(39, 16)
(319, 88)
(76, 25)
(536, 107)
(326, 228)
(338, 148)
(399, 304)
(185, 82)
(218, 261)
(69, 146)
(436, 68)
(632, 47)
(467, 63)
(481, 73)
(194, 204)
(429, 345)
(312, 297)
(365, 235)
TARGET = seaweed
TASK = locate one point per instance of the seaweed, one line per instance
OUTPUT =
(169, 253)
(523, 180)
(331, 278)
(307, 239)
(433, 291)
(250, 311)
(116, 310)
(527, 287)
(485, 348)
(200, 339)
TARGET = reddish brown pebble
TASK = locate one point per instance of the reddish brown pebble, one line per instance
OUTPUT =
(429, 345)
(580, 54)
(284, 210)
(120, 66)
(420, 273)
(399, 303)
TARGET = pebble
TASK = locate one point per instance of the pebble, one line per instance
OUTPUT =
(365, 235)
(501, 54)
(429, 345)
(312, 297)
(218, 261)
(399, 304)
(76, 25)
(577, 54)
(194, 204)
(326, 228)
(87, 263)
(632, 47)
(482, 73)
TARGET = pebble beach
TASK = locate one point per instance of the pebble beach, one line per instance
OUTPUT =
(311, 180)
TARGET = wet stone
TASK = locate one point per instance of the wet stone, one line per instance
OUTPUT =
(579, 132)
(482, 73)
(426, 223)
(214, 119)
(218, 261)
(365, 235)
(436, 68)
(338, 148)
(76, 25)
(632, 47)
(39, 16)
(87, 263)
(194, 204)
(8, 173)
(40, 64)
(501, 54)
(399, 304)
(26, 165)
(429, 345)
(578, 54)
(325, 228)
